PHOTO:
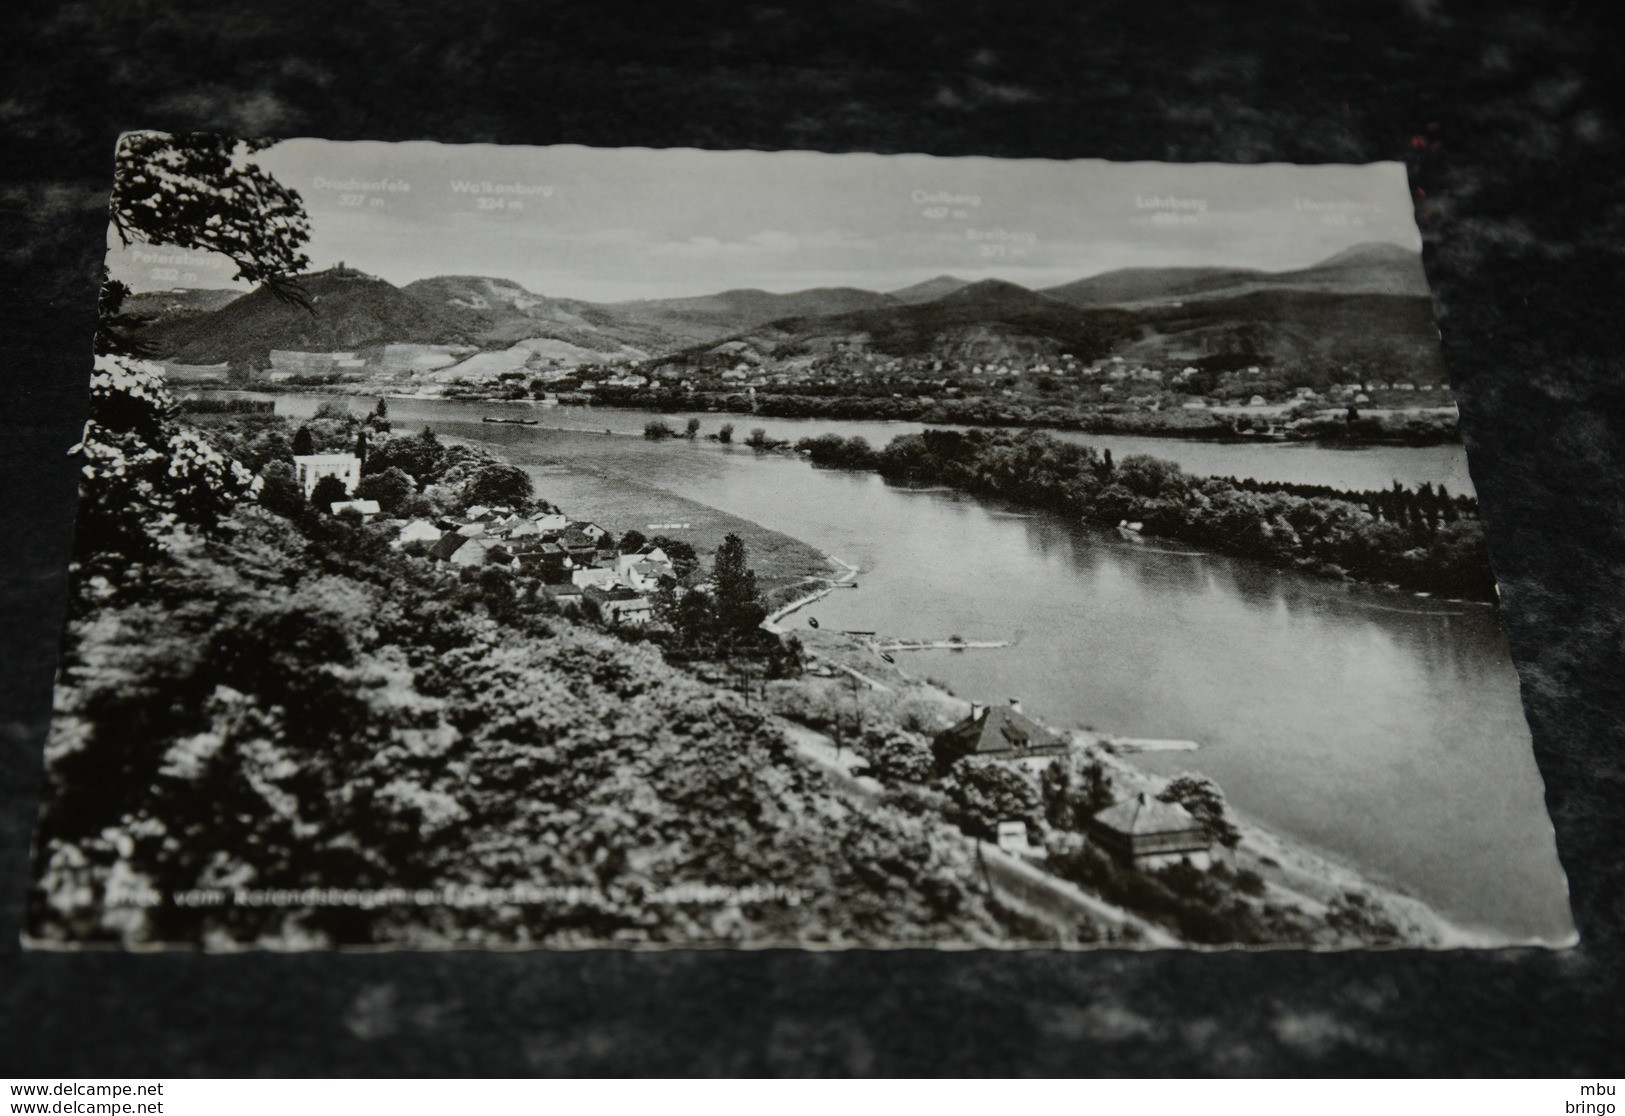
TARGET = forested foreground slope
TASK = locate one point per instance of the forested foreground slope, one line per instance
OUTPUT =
(258, 698)
(281, 711)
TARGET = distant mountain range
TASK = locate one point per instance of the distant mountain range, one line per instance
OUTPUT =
(1369, 302)
(976, 321)
(1382, 269)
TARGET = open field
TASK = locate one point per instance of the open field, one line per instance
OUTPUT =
(577, 471)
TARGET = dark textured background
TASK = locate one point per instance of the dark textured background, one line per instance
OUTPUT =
(1510, 117)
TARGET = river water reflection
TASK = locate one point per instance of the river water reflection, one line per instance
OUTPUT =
(1384, 729)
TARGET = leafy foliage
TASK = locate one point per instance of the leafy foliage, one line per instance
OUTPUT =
(736, 602)
(1204, 801)
(297, 706)
(1201, 906)
(392, 489)
(898, 758)
(420, 456)
(1423, 540)
(145, 481)
(1074, 789)
(328, 490)
(981, 795)
(506, 486)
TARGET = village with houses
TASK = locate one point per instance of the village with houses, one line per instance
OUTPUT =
(575, 561)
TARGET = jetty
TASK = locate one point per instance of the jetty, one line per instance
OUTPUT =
(937, 644)
(826, 586)
(1126, 745)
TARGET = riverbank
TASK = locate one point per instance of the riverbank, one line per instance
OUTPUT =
(1384, 426)
(1265, 460)
(1427, 541)
(1341, 716)
(577, 470)
(851, 670)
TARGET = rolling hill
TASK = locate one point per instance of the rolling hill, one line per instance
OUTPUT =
(931, 289)
(714, 317)
(1132, 286)
(989, 320)
(348, 310)
(151, 307)
(1314, 331)
(1366, 304)
(1363, 269)
(1304, 329)
(501, 312)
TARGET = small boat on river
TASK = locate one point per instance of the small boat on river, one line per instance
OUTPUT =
(511, 421)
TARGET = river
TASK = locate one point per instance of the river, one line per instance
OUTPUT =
(1298, 462)
(1383, 729)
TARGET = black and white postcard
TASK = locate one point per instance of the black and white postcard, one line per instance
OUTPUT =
(560, 547)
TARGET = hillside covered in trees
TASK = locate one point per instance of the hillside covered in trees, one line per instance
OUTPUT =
(267, 702)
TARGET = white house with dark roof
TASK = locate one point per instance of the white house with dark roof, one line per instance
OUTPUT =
(645, 575)
(634, 611)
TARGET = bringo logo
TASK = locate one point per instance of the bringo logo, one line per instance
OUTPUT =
(1592, 1107)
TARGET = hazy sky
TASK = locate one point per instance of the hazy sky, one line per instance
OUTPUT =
(606, 225)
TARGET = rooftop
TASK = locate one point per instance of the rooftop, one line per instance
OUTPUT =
(1000, 730)
(1142, 815)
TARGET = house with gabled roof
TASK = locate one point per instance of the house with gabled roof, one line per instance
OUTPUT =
(647, 552)
(996, 732)
(635, 611)
(582, 550)
(1145, 832)
(646, 576)
(477, 553)
(590, 577)
(444, 548)
(567, 595)
(548, 522)
(546, 560)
